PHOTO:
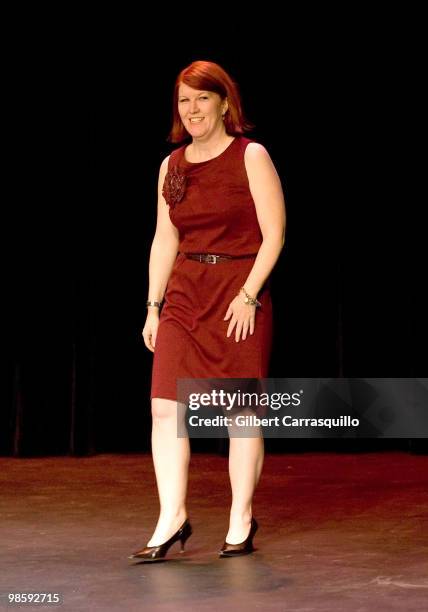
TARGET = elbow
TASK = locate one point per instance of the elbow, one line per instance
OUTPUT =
(166, 240)
(276, 239)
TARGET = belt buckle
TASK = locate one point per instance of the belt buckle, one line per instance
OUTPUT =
(212, 259)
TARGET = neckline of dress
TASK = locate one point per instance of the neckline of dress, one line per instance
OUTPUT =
(211, 158)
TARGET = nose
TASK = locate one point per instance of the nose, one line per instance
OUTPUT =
(194, 106)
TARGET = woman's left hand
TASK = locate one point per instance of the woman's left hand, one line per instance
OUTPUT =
(243, 316)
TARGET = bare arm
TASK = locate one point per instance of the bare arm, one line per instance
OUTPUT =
(164, 246)
(268, 197)
(162, 257)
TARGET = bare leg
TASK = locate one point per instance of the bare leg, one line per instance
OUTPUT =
(171, 456)
(246, 457)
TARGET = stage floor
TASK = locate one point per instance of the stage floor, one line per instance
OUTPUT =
(337, 532)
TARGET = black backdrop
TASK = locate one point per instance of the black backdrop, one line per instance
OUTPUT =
(90, 135)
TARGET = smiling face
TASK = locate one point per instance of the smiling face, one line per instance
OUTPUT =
(200, 111)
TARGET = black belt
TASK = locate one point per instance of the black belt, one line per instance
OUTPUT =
(212, 259)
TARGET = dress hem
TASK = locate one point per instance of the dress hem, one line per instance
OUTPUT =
(174, 399)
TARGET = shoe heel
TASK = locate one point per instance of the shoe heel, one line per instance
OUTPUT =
(187, 532)
(154, 553)
(244, 548)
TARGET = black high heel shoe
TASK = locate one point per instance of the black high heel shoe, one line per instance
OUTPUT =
(156, 553)
(243, 548)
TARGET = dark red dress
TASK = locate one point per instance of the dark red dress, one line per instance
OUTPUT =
(216, 214)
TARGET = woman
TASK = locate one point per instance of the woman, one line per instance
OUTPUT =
(219, 202)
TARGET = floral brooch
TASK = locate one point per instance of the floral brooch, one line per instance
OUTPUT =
(174, 186)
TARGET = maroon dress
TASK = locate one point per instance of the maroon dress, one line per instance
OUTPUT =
(211, 205)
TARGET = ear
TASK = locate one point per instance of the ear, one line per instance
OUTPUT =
(225, 106)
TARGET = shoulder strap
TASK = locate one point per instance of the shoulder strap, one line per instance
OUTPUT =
(176, 156)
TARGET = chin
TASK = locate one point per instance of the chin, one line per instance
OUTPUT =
(199, 134)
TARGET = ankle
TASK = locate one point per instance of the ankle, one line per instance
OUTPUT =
(169, 516)
(244, 515)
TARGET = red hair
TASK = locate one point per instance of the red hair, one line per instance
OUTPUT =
(208, 76)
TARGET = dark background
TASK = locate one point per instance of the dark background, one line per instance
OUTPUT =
(93, 110)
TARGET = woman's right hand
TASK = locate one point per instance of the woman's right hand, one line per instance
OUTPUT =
(150, 329)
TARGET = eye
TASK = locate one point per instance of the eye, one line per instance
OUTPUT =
(203, 97)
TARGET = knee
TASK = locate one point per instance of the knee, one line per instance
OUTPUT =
(168, 411)
(163, 409)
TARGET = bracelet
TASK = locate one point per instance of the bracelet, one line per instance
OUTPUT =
(157, 304)
(250, 300)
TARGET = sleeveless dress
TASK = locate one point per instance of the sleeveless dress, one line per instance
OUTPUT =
(211, 205)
